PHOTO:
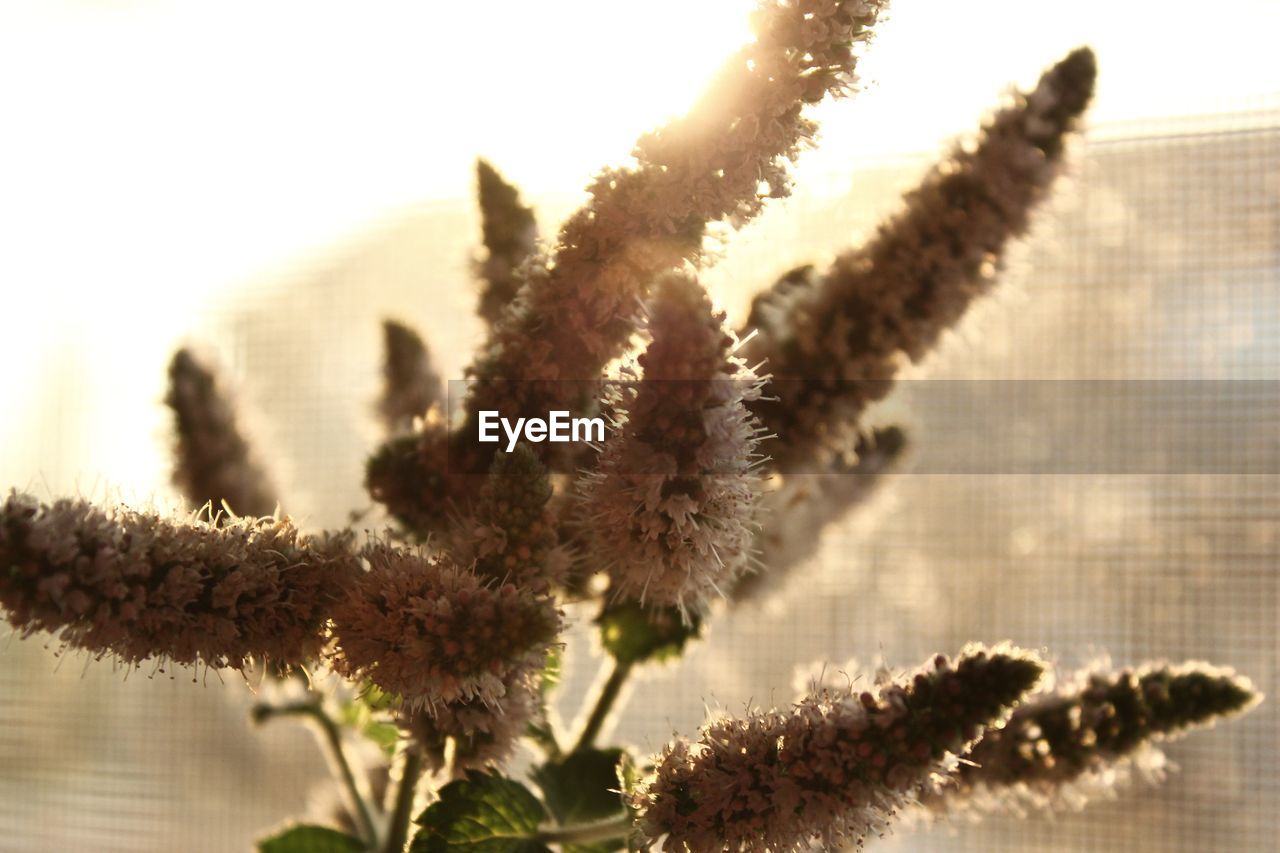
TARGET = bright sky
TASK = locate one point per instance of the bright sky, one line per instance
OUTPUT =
(153, 152)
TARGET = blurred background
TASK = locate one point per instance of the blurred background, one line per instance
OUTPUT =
(270, 180)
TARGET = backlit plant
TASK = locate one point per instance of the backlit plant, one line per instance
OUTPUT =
(439, 638)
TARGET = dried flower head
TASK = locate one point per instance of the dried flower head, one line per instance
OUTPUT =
(136, 585)
(834, 341)
(431, 632)
(1088, 729)
(671, 502)
(484, 735)
(833, 768)
(410, 387)
(511, 535)
(213, 463)
(510, 235)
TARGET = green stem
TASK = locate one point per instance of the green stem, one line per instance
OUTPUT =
(402, 811)
(587, 833)
(604, 704)
(330, 737)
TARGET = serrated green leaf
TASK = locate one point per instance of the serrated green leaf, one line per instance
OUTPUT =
(582, 787)
(306, 838)
(634, 634)
(483, 813)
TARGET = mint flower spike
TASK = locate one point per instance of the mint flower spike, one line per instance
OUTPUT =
(670, 506)
(432, 632)
(212, 461)
(410, 385)
(1060, 747)
(834, 768)
(834, 340)
(510, 237)
(511, 534)
(576, 311)
(136, 585)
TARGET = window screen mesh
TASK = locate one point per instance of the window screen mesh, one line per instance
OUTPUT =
(1158, 260)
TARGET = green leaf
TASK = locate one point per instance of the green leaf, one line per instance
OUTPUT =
(483, 813)
(635, 634)
(306, 838)
(582, 787)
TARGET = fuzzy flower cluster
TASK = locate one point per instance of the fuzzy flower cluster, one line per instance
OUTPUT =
(511, 535)
(483, 735)
(510, 236)
(834, 341)
(410, 386)
(1088, 728)
(835, 767)
(137, 585)
(671, 501)
(577, 308)
(432, 632)
(212, 461)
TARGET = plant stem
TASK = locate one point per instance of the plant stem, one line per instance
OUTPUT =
(330, 737)
(402, 811)
(587, 833)
(604, 704)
